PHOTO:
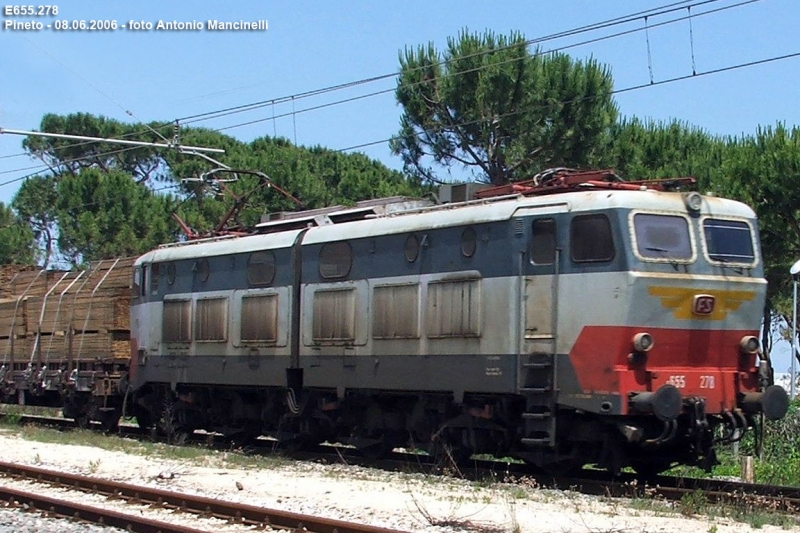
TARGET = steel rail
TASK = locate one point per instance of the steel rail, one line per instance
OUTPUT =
(57, 508)
(589, 481)
(189, 503)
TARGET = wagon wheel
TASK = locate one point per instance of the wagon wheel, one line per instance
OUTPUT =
(171, 424)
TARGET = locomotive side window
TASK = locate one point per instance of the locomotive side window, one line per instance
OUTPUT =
(211, 319)
(143, 285)
(171, 273)
(395, 314)
(728, 241)
(154, 278)
(454, 308)
(175, 321)
(469, 242)
(662, 237)
(591, 239)
(335, 260)
(411, 249)
(543, 242)
(334, 315)
(259, 318)
(261, 268)
(137, 282)
(202, 270)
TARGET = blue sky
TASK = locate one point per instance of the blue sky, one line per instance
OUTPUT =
(311, 45)
(150, 75)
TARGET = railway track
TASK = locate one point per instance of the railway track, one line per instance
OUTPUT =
(249, 516)
(671, 488)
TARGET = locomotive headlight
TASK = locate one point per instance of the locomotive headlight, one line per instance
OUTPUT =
(693, 201)
(749, 345)
(643, 342)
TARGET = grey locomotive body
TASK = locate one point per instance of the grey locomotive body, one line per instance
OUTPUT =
(512, 325)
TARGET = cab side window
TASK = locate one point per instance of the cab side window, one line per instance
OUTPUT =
(591, 239)
(543, 242)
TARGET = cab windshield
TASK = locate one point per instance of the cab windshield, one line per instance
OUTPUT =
(662, 237)
(728, 241)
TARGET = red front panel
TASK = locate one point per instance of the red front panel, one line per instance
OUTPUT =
(705, 363)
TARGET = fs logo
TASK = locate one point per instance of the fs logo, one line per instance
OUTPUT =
(703, 304)
(710, 304)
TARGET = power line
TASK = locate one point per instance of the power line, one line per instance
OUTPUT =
(677, 6)
(382, 141)
(616, 91)
(476, 69)
(468, 71)
(669, 8)
(93, 86)
(661, 10)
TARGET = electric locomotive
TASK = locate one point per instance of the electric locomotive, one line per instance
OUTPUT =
(568, 320)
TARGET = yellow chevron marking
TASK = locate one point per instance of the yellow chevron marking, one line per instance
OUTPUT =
(681, 300)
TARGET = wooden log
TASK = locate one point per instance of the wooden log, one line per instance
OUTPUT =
(105, 310)
(101, 345)
(13, 316)
(15, 348)
(50, 347)
(109, 310)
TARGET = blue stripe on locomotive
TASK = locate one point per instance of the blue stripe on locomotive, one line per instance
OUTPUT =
(498, 244)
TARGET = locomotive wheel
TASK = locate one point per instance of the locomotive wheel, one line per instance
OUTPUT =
(247, 436)
(563, 469)
(649, 469)
(144, 419)
(170, 425)
(82, 421)
(296, 443)
(110, 421)
(179, 437)
(175, 432)
(377, 450)
(448, 454)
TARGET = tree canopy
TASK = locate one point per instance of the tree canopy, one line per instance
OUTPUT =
(101, 200)
(503, 112)
(17, 240)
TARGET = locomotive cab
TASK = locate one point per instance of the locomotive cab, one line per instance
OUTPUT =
(661, 298)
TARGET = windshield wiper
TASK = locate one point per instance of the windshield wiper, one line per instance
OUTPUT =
(664, 255)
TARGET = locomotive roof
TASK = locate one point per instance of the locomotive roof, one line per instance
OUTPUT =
(455, 214)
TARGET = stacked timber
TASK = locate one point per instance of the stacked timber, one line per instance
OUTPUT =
(55, 315)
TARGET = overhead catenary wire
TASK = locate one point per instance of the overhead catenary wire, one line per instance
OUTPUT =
(662, 10)
(474, 69)
(677, 6)
(656, 11)
(93, 86)
(382, 141)
(615, 91)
